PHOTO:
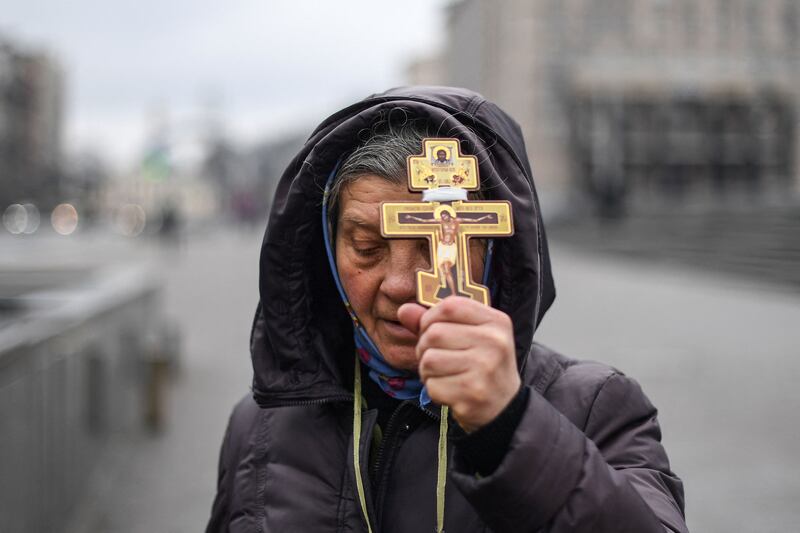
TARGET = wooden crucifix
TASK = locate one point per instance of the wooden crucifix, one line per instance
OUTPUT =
(446, 218)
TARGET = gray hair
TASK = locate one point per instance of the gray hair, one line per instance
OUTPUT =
(383, 152)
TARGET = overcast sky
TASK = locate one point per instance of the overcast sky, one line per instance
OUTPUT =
(266, 65)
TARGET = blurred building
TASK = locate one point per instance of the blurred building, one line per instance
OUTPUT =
(427, 71)
(193, 171)
(638, 101)
(31, 103)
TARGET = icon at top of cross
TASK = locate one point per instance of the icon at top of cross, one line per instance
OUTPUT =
(442, 164)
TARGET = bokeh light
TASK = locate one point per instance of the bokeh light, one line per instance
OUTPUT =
(32, 218)
(64, 219)
(130, 220)
(15, 218)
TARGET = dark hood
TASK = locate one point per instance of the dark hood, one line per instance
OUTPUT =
(301, 342)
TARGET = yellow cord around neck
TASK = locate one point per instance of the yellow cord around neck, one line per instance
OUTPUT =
(441, 469)
(356, 442)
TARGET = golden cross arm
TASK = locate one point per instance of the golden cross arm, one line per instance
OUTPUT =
(448, 228)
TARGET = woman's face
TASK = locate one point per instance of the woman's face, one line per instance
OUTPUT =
(379, 275)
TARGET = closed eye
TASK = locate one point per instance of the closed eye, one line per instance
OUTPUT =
(367, 252)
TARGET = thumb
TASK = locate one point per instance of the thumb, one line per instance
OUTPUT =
(409, 315)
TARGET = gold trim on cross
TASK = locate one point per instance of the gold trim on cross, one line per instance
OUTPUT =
(441, 164)
(448, 224)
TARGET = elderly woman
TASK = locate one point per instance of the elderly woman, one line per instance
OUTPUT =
(534, 441)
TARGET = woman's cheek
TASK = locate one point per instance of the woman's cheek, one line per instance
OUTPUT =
(357, 282)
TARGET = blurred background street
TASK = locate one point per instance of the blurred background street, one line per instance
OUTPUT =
(140, 144)
(717, 354)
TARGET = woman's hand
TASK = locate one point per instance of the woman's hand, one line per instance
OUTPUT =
(466, 357)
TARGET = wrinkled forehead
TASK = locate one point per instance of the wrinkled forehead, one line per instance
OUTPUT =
(360, 199)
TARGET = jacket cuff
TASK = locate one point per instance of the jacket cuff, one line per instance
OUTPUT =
(484, 449)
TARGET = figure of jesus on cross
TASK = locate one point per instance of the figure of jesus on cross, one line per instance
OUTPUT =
(447, 220)
(446, 246)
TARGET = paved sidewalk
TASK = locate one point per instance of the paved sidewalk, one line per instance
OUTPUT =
(718, 358)
(165, 483)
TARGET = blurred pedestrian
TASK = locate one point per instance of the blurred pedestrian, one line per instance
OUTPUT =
(171, 224)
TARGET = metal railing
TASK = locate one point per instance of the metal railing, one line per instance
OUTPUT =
(74, 369)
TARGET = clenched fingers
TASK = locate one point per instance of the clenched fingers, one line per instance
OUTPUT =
(437, 362)
(460, 310)
(450, 336)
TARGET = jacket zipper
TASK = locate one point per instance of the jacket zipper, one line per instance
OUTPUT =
(386, 450)
(390, 425)
(296, 403)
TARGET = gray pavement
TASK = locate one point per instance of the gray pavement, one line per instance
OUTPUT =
(718, 357)
(166, 482)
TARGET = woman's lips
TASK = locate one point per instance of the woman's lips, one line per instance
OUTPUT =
(397, 331)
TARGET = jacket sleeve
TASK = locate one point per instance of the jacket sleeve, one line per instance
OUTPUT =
(240, 425)
(219, 509)
(613, 476)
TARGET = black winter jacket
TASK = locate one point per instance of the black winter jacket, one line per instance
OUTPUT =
(585, 457)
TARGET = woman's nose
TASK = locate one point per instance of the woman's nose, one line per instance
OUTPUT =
(406, 256)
